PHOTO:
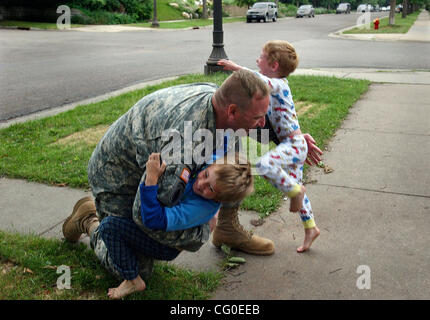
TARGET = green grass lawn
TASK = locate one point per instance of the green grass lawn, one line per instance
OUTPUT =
(28, 271)
(400, 25)
(56, 150)
(28, 24)
(187, 23)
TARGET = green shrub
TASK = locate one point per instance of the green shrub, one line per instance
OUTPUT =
(324, 11)
(109, 11)
(286, 10)
(113, 5)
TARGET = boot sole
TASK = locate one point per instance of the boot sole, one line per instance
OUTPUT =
(75, 208)
(257, 253)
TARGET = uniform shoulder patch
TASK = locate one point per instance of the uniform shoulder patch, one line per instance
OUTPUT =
(185, 175)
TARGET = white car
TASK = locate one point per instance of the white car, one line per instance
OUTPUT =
(305, 10)
(363, 8)
(262, 11)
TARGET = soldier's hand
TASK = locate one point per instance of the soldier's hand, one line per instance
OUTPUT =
(154, 169)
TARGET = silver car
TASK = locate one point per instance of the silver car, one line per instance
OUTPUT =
(305, 10)
(262, 11)
(343, 7)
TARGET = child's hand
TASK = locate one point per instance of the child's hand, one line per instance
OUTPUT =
(228, 65)
(213, 222)
(154, 169)
(314, 152)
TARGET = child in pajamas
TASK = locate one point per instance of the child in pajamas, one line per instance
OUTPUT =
(283, 166)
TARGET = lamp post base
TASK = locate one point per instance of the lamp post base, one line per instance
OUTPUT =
(217, 54)
(210, 69)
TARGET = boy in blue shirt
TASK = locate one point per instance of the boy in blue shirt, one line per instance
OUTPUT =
(200, 204)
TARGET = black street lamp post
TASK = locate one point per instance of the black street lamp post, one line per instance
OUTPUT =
(218, 41)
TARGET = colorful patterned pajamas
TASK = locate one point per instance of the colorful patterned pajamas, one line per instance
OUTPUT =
(283, 168)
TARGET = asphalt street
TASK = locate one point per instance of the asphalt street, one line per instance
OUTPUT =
(48, 69)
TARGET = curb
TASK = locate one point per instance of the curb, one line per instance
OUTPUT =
(390, 37)
(365, 36)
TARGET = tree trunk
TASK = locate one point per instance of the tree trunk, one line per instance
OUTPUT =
(392, 12)
(205, 10)
(405, 8)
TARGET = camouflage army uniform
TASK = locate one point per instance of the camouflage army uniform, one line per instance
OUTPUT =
(117, 165)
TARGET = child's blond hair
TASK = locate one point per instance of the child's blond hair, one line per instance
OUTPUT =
(284, 53)
(233, 180)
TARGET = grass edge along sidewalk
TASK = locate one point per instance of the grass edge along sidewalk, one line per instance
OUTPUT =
(402, 25)
(28, 263)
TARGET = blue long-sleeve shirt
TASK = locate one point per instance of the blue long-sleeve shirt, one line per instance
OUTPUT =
(193, 210)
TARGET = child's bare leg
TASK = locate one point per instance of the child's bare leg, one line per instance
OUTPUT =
(127, 287)
(310, 235)
(296, 203)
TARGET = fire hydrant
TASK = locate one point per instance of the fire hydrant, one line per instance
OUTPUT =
(376, 23)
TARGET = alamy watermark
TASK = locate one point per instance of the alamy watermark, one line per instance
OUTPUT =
(364, 280)
(198, 146)
(64, 281)
(63, 21)
(363, 21)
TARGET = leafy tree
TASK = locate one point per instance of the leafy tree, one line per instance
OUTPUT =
(248, 3)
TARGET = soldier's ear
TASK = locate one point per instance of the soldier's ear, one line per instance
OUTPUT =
(232, 110)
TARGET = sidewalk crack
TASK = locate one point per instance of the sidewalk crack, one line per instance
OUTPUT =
(373, 190)
(49, 229)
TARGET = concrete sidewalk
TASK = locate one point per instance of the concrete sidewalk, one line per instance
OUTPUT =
(420, 31)
(373, 210)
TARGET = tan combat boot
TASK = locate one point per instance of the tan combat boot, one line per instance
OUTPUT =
(230, 232)
(82, 220)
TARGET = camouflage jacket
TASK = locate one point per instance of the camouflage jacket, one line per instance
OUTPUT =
(117, 165)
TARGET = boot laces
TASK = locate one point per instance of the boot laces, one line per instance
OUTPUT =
(240, 227)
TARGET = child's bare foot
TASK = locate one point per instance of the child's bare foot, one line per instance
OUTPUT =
(310, 235)
(296, 203)
(127, 287)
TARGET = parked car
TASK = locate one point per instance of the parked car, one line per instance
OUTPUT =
(305, 10)
(343, 7)
(262, 11)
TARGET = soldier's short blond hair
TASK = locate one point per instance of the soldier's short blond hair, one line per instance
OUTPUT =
(240, 88)
(284, 53)
(233, 180)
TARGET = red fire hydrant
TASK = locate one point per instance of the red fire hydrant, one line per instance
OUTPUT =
(376, 23)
